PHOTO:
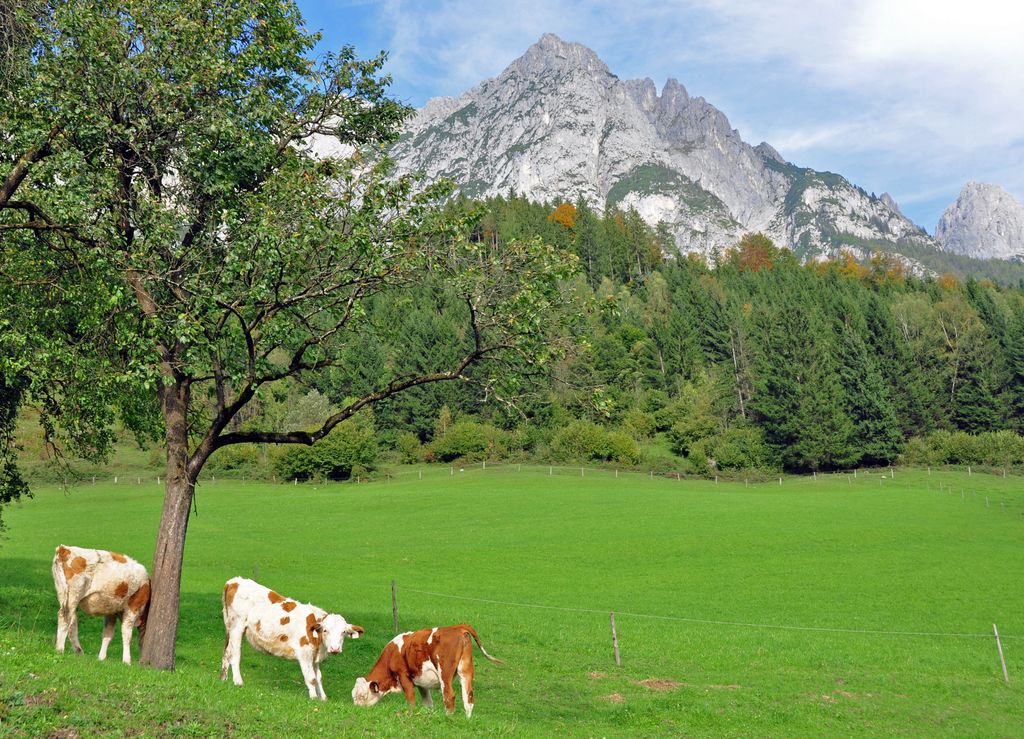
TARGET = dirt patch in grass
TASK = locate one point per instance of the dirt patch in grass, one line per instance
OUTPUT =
(46, 698)
(724, 687)
(614, 698)
(63, 734)
(836, 695)
(660, 685)
(596, 675)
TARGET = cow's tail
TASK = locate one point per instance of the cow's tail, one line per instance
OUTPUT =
(60, 583)
(472, 632)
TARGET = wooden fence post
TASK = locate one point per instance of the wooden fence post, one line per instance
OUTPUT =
(1002, 660)
(615, 643)
(394, 607)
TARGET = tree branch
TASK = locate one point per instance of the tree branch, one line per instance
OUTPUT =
(20, 171)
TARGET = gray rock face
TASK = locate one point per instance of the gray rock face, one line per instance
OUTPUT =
(985, 222)
(557, 124)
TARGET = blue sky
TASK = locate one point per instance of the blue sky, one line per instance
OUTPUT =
(910, 97)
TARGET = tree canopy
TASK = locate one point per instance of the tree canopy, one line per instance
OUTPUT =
(194, 207)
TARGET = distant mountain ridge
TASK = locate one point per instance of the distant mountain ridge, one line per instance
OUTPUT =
(557, 124)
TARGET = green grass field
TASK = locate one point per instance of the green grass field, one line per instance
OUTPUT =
(828, 607)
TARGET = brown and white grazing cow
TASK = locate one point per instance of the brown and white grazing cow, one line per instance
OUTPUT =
(282, 627)
(101, 583)
(427, 659)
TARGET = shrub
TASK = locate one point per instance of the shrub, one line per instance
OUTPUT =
(583, 441)
(470, 440)
(690, 429)
(640, 423)
(997, 448)
(409, 448)
(351, 448)
(580, 441)
(236, 458)
(622, 448)
(736, 448)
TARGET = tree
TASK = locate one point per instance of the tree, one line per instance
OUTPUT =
(167, 169)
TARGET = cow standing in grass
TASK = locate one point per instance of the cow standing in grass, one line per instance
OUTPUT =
(282, 627)
(426, 660)
(101, 583)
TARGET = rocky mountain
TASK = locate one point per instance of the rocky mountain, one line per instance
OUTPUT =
(985, 222)
(557, 124)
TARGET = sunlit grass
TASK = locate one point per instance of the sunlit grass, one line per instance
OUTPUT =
(829, 606)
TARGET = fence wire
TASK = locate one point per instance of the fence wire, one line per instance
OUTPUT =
(713, 622)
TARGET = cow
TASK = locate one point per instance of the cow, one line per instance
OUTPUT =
(101, 583)
(426, 659)
(282, 627)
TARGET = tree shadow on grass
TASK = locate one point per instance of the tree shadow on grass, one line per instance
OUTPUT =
(28, 603)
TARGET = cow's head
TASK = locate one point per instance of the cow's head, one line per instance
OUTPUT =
(366, 693)
(333, 629)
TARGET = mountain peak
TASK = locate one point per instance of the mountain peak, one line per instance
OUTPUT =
(551, 52)
(985, 221)
(890, 203)
(768, 151)
(556, 124)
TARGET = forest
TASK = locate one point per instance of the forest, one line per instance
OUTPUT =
(750, 362)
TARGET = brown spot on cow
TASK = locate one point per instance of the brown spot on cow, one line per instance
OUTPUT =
(313, 629)
(285, 620)
(62, 553)
(121, 590)
(229, 593)
(274, 597)
(258, 625)
(288, 606)
(75, 567)
(140, 599)
(283, 637)
(118, 557)
(303, 641)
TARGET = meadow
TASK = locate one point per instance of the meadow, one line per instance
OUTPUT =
(828, 606)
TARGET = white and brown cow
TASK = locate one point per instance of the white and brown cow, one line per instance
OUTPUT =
(101, 583)
(427, 659)
(282, 627)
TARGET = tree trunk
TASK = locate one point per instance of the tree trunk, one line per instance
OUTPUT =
(162, 621)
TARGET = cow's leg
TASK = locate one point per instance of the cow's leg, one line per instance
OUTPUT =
(428, 699)
(225, 660)
(407, 687)
(128, 620)
(74, 632)
(233, 652)
(319, 682)
(447, 692)
(108, 633)
(63, 625)
(309, 675)
(466, 680)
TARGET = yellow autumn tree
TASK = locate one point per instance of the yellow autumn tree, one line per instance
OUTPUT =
(564, 215)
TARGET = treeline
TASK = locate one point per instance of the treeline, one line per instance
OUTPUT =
(753, 362)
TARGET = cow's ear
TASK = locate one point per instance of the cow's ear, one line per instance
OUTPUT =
(317, 627)
(374, 687)
(355, 631)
